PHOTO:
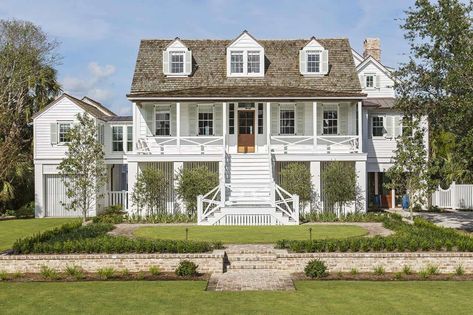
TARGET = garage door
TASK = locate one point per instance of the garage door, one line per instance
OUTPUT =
(55, 194)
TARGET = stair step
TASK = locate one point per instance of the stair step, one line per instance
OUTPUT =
(251, 266)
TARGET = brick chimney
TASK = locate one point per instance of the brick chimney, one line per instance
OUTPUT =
(372, 47)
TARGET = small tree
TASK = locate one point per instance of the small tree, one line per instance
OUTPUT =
(296, 178)
(340, 187)
(193, 182)
(150, 190)
(83, 169)
(410, 171)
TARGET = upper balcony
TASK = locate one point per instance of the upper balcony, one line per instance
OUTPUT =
(246, 127)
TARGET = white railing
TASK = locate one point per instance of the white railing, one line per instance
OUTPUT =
(118, 198)
(176, 145)
(208, 204)
(286, 202)
(455, 197)
(322, 144)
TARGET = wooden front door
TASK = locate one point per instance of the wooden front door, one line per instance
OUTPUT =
(246, 131)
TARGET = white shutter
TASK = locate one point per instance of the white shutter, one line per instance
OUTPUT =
(389, 126)
(397, 126)
(377, 81)
(300, 119)
(149, 119)
(53, 132)
(370, 126)
(343, 119)
(324, 61)
(192, 119)
(362, 81)
(218, 120)
(302, 62)
(275, 120)
(165, 62)
(188, 62)
(320, 120)
(173, 112)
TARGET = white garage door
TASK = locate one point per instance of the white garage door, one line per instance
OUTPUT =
(55, 194)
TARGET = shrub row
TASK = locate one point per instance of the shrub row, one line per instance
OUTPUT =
(154, 218)
(421, 236)
(93, 238)
(350, 217)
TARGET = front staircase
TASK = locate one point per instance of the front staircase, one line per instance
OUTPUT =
(250, 196)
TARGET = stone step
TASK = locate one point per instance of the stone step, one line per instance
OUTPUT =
(251, 257)
(240, 266)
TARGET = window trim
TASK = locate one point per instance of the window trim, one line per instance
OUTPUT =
(162, 108)
(113, 141)
(245, 52)
(373, 75)
(314, 52)
(384, 126)
(213, 119)
(58, 135)
(293, 105)
(330, 108)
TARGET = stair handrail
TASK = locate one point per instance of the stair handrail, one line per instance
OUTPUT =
(283, 203)
(202, 213)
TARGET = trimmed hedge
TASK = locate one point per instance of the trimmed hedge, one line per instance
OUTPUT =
(351, 217)
(74, 239)
(153, 218)
(421, 236)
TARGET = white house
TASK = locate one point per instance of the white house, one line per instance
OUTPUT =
(245, 108)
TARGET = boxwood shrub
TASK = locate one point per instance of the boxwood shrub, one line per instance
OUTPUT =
(420, 236)
(93, 238)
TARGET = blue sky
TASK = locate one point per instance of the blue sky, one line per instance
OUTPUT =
(99, 38)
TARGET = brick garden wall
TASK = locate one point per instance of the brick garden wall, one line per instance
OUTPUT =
(207, 262)
(366, 262)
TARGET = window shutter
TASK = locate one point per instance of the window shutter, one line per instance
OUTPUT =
(300, 119)
(377, 79)
(188, 64)
(397, 126)
(192, 119)
(320, 120)
(302, 66)
(218, 120)
(149, 113)
(362, 81)
(389, 126)
(165, 62)
(324, 62)
(275, 120)
(370, 127)
(173, 111)
(343, 119)
(53, 131)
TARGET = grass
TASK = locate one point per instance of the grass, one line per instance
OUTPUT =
(11, 230)
(249, 234)
(189, 297)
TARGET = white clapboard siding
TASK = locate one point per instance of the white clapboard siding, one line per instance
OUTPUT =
(55, 196)
(64, 110)
(383, 147)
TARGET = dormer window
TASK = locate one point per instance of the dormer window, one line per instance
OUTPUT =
(313, 59)
(177, 59)
(245, 57)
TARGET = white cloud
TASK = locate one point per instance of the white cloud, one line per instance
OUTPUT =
(93, 84)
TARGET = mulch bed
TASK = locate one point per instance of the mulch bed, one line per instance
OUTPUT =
(132, 276)
(385, 277)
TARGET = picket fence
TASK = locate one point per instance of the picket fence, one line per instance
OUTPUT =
(455, 197)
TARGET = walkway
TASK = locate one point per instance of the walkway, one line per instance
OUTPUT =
(462, 220)
(251, 268)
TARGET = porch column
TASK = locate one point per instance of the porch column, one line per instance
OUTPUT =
(316, 183)
(39, 202)
(376, 183)
(178, 125)
(393, 198)
(268, 126)
(224, 123)
(360, 127)
(360, 169)
(179, 205)
(314, 125)
(132, 174)
(224, 158)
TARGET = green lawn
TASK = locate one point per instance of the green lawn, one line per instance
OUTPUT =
(11, 230)
(189, 297)
(249, 234)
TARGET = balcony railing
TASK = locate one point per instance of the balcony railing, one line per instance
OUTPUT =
(181, 145)
(322, 144)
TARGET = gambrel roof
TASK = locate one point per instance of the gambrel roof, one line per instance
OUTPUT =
(209, 69)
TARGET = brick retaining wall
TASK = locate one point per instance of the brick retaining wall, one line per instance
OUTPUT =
(207, 262)
(366, 262)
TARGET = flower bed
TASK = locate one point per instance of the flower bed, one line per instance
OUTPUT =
(421, 236)
(93, 238)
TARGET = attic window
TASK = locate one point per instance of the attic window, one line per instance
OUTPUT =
(177, 62)
(313, 61)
